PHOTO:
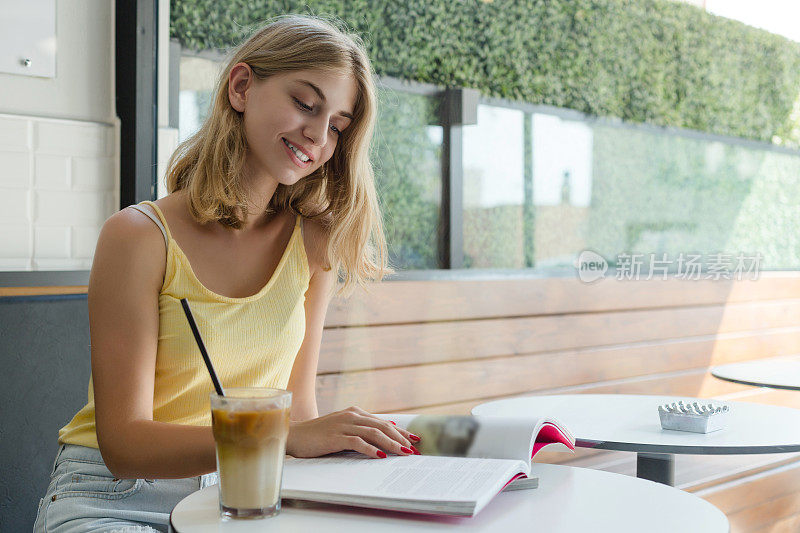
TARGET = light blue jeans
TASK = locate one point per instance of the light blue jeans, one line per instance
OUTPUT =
(83, 495)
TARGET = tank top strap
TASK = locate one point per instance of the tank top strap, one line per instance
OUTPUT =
(149, 210)
(161, 217)
(299, 222)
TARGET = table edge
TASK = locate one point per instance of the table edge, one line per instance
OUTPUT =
(755, 383)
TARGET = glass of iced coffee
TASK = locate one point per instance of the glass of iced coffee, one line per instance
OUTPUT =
(250, 429)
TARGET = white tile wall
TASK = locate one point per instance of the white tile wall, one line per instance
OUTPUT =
(84, 239)
(14, 206)
(51, 242)
(58, 184)
(15, 170)
(92, 174)
(14, 241)
(15, 264)
(14, 133)
(51, 172)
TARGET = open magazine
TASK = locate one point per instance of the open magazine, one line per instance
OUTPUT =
(466, 461)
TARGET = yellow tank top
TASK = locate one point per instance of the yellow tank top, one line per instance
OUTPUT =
(252, 341)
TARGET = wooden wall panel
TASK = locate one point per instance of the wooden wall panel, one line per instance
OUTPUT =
(393, 302)
(759, 501)
(598, 370)
(420, 386)
(784, 398)
(765, 514)
(699, 473)
(699, 383)
(349, 349)
(785, 525)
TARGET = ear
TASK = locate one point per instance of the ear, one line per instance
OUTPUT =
(240, 78)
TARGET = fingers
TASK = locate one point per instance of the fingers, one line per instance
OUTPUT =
(387, 428)
(407, 434)
(409, 437)
(380, 433)
(376, 437)
(358, 444)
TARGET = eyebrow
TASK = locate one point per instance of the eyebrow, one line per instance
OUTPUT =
(322, 96)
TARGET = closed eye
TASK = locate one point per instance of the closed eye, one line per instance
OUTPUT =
(305, 107)
(302, 105)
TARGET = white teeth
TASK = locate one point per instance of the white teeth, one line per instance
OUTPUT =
(300, 155)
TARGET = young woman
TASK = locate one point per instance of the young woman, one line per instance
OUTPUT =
(270, 201)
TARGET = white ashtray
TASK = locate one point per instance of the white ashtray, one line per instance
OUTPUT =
(694, 417)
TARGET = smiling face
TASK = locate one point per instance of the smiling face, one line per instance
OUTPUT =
(293, 120)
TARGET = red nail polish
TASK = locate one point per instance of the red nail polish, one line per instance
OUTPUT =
(405, 450)
(414, 437)
(381, 454)
(393, 422)
(416, 451)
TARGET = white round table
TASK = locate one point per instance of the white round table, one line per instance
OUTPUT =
(630, 423)
(775, 372)
(568, 500)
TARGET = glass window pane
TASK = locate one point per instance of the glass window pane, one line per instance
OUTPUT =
(562, 188)
(197, 78)
(494, 191)
(407, 155)
(622, 190)
(658, 192)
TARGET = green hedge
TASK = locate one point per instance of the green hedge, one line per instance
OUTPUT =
(655, 61)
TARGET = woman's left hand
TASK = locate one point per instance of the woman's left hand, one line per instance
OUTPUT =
(349, 429)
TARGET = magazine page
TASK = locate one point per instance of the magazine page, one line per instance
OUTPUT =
(413, 477)
(554, 436)
(476, 436)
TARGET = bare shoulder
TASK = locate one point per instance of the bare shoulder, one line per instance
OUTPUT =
(132, 244)
(131, 228)
(315, 236)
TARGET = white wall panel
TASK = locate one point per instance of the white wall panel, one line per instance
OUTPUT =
(28, 37)
(84, 239)
(52, 242)
(51, 172)
(83, 88)
(92, 174)
(15, 241)
(15, 169)
(14, 134)
(14, 206)
(55, 193)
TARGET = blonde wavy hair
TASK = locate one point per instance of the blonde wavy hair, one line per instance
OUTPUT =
(340, 194)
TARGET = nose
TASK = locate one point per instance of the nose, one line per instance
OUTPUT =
(316, 130)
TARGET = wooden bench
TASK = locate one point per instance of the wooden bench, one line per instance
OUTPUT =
(444, 346)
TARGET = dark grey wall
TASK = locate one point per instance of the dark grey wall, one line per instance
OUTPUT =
(44, 375)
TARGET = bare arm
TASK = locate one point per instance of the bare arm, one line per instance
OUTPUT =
(302, 381)
(352, 428)
(126, 279)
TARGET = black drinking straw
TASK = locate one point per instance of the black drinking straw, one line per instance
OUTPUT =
(199, 340)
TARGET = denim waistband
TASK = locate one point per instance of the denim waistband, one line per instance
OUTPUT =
(75, 452)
